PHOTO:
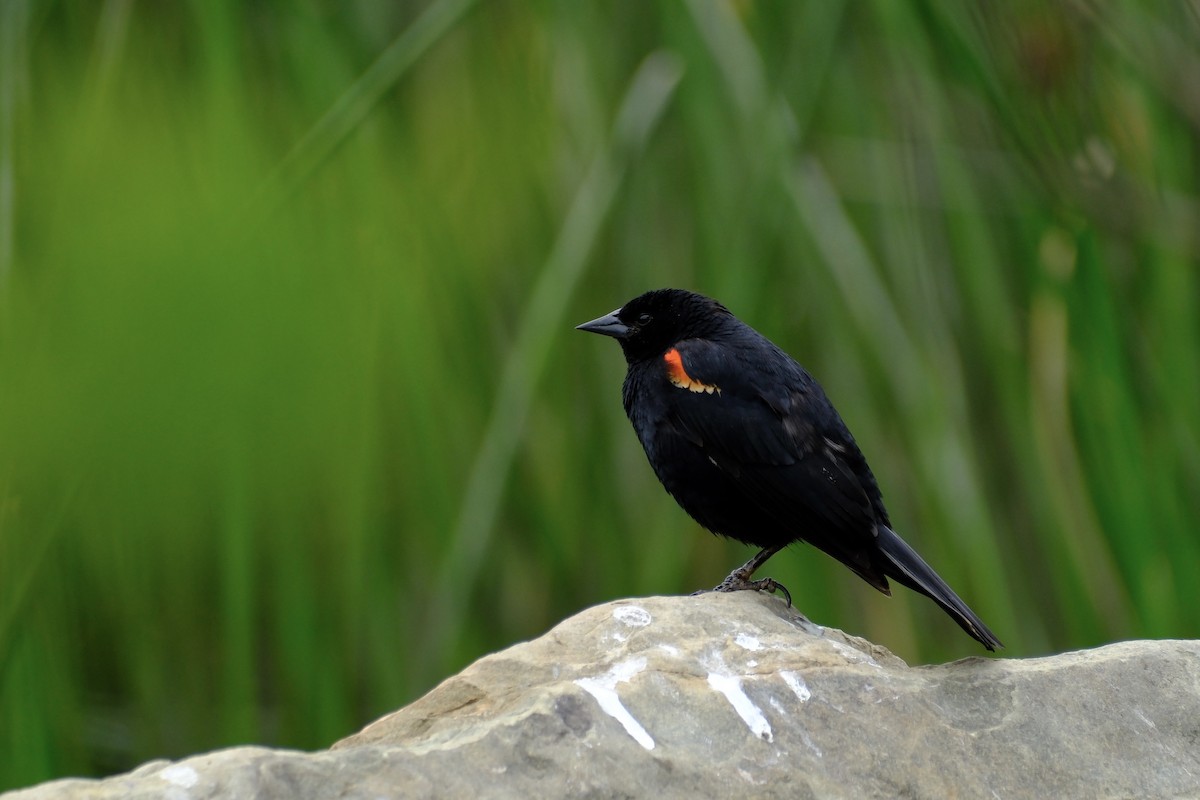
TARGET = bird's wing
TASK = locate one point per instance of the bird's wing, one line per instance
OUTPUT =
(768, 425)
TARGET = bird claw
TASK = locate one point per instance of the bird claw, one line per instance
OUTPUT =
(770, 585)
(738, 582)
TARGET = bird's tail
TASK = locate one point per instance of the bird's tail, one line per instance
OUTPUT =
(909, 569)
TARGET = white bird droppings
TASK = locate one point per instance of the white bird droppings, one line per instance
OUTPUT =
(604, 689)
(179, 775)
(748, 642)
(633, 616)
(796, 684)
(852, 655)
(731, 687)
(1144, 718)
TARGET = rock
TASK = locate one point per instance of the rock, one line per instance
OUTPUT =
(738, 696)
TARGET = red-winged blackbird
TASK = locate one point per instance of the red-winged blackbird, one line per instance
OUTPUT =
(747, 443)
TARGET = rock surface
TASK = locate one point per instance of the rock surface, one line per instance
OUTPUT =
(738, 696)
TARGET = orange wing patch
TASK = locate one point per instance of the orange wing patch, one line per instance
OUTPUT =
(678, 376)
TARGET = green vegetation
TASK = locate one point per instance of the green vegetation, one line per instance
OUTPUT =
(293, 421)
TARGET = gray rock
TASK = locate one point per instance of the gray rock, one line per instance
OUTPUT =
(737, 696)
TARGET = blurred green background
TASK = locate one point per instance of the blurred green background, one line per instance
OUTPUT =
(293, 421)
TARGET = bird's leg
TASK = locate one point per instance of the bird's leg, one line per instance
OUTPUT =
(739, 579)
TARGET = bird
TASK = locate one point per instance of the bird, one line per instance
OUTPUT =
(749, 445)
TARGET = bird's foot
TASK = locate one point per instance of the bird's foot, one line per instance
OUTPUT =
(739, 581)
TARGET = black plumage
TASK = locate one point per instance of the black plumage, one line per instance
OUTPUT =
(746, 441)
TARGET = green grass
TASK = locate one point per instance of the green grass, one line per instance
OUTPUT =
(293, 422)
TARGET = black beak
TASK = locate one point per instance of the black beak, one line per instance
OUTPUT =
(608, 325)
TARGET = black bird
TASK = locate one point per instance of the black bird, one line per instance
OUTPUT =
(748, 444)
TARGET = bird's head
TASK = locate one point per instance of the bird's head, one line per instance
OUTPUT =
(650, 323)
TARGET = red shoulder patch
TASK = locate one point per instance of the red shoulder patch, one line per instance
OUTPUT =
(678, 376)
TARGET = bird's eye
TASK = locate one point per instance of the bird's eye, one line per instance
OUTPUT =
(644, 319)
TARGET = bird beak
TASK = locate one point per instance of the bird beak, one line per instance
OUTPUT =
(608, 325)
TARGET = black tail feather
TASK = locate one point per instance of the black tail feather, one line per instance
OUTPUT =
(907, 568)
